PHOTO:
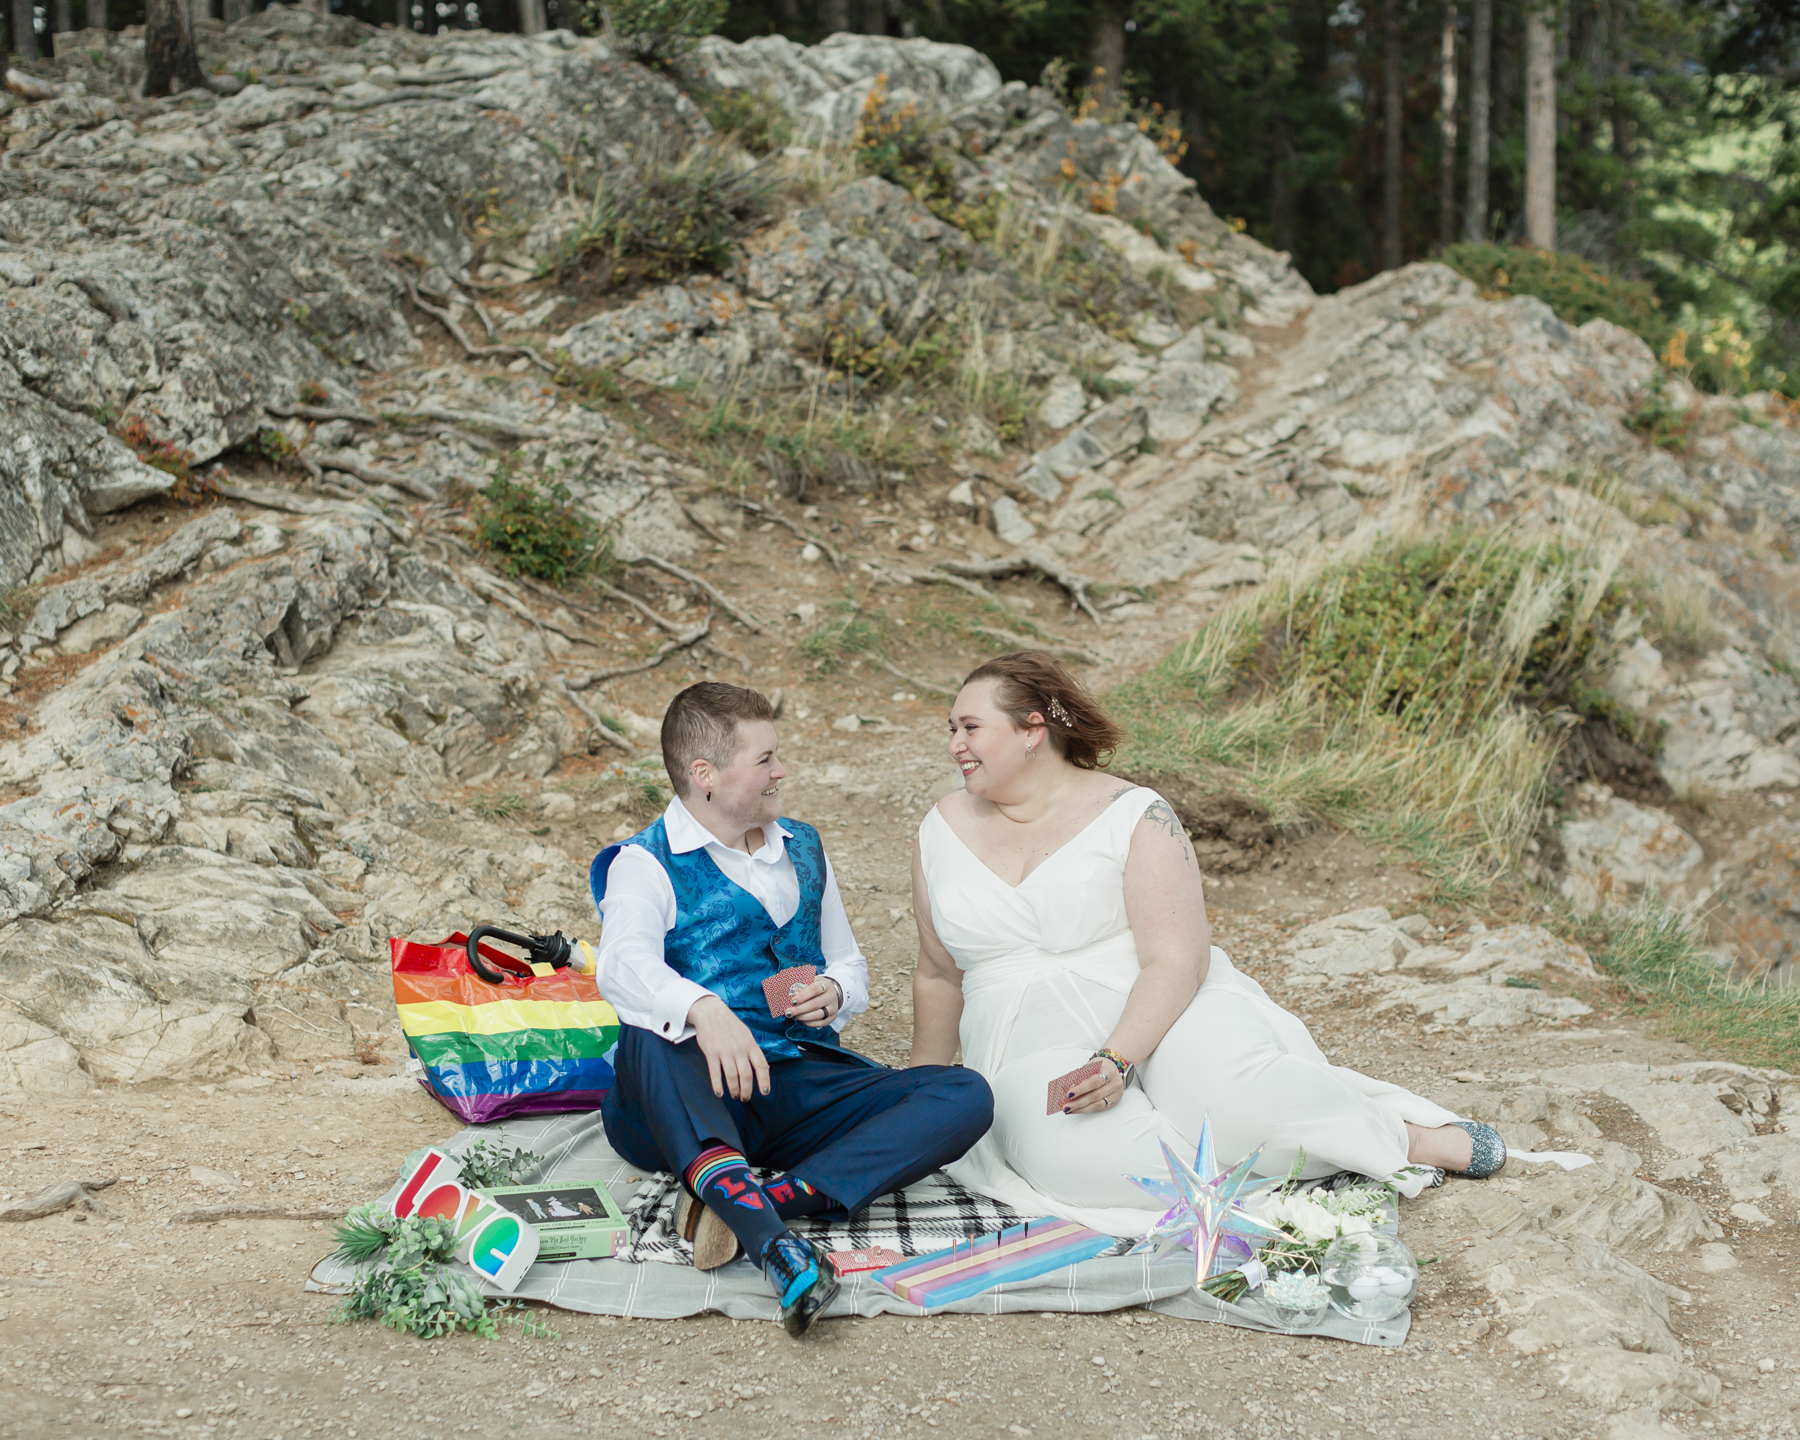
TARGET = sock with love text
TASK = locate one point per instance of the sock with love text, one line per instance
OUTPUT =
(793, 1197)
(720, 1177)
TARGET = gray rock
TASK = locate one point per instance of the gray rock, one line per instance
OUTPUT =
(1616, 850)
(826, 85)
(1010, 523)
(1063, 404)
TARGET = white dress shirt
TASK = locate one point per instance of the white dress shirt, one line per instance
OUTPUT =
(639, 911)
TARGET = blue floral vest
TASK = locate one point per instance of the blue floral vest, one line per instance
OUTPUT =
(725, 940)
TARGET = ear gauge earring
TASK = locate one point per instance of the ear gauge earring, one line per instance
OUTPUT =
(709, 796)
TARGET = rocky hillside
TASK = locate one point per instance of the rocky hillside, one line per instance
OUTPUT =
(960, 372)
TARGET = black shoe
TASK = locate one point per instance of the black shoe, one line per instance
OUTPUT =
(799, 1275)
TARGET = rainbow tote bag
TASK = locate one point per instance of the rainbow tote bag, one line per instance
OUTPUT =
(540, 1042)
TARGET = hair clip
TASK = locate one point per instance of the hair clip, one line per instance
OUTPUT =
(1058, 714)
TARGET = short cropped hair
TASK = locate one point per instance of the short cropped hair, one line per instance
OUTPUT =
(1029, 680)
(702, 724)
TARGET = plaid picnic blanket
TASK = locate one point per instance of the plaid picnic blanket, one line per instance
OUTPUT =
(923, 1217)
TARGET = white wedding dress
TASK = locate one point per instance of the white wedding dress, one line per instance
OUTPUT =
(1046, 967)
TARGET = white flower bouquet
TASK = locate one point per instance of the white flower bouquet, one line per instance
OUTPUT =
(1309, 1220)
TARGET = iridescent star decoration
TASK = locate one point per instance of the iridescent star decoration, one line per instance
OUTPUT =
(1207, 1206)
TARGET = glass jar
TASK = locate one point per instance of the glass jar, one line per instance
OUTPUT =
(1370, 1276)
(1295, 1301)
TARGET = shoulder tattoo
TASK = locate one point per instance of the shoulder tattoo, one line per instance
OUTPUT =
(1121, 791)
(1163, 817)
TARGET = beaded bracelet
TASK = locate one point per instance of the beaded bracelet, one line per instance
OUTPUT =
(1125, 1066)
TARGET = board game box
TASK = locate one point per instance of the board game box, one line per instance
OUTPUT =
(579, 1221)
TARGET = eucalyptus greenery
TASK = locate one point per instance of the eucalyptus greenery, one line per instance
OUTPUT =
(490, 1162)
(410, 1288)
(425, 1300)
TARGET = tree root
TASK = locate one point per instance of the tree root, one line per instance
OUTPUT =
(737, 613)
(59, 1197)
(470, 348)
(601, 729)
(911, 680)
(613, 592)
(681, 642)
(353, 464)
(1018, 564)
(208, 1213)
(770, 513)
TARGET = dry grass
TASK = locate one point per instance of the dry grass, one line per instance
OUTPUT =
(1681, 618)
(1456, 776)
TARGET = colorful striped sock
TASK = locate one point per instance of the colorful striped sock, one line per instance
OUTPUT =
(793, 1197)
(720, 1177)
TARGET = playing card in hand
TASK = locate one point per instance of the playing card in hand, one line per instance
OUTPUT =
(1060, 1087)
(781, 987)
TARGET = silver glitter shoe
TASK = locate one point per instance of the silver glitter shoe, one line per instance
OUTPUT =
(1488, 1150)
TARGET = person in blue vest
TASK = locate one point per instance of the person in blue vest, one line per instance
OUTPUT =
(700, 908)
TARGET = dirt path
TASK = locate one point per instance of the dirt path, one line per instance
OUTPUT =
(127, 1323)
(130, 1321)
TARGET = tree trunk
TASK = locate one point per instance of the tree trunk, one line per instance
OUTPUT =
(170, 62)
(236, 10)
(1106, 55)
(1540, 130)
(1481, 45)
(531, 17)
(1391, 153)
(1447, 129)
(63, 18)
(96, 14)
(837, 16)
(1281, 192)
(24, 30)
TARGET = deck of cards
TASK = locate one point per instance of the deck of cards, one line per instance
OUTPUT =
(856, 1262)
(781, 987)
(1058, 1097)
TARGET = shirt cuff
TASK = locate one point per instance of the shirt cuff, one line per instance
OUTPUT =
(853, 980)
(669, 1009)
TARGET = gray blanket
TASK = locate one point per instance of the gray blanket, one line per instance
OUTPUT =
(575, 1148)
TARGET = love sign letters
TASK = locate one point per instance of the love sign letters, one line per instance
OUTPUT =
(490, 1239)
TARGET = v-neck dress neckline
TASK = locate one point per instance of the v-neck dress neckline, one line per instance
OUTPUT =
(1049, 859)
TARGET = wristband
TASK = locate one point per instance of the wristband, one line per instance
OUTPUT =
(1125, 1067)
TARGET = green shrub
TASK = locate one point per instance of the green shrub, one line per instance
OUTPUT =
(272, 445)
(656, 32)
(538, 530)
(754, 118)
(1452, 628)
(895, 144)
(1398, 694)
(653, 221)
(1574, 289)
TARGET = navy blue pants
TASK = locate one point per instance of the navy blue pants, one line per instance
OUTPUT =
(847, 1127)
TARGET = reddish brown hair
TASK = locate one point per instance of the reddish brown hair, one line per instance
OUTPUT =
(1029, 681)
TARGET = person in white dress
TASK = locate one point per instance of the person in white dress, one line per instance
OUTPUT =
(1061, 918)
